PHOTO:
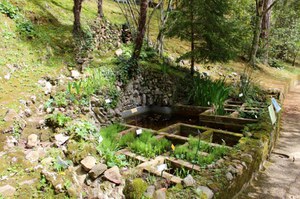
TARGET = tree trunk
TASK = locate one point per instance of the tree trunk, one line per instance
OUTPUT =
(141, 30)
(100, 9)
(160, 35)
(255, 41)
(265, 30)
(192, 39)
(163, 20)
(76, 12)
(294, 60)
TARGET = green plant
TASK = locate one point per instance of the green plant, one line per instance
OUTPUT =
(251, 93)
(67, 184)
(60, 99)
(83, 129)
(206, 92)
(151, 179)
(49, 103)
(57, 120)
(181, 172)
(187, 152)
(17, 130)
(127, 139)
(148, 145)
(26, 28)
(60, 165)
(113, 159)
(8, 9)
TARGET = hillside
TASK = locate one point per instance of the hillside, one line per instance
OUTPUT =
(37, 49)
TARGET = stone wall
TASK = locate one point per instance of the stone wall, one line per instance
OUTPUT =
(154, 88)
(149, 87)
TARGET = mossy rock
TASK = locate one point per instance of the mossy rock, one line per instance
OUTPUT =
(79, 150)
(135, 189)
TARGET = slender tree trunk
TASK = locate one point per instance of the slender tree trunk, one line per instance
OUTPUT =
(160, 35)
(77, 12)
(261, 10)
(192, 39)
(163, 20)
(100, 9)
(294, 60)
(141, 30)
(265, 31)
(255, 41)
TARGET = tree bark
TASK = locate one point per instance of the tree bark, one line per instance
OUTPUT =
(77, 12)
(265, 30)
(192, 38)
(141, 30)
(100, 9)
(261, 11)
(163, 20)
(255, 41)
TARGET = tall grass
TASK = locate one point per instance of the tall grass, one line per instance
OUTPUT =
(207, 92)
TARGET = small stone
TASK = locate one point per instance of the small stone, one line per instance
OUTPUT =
(97, 170)
(188, 181)
(32, 141)
(150, 191)
(27, 112)
(119, 52)
(48, 88)
(11, 142)
(206, 74)
(7, 191)
(232, 169)
(7, 76)
(47, 161)
(113, 175)
(88, 163)
(33, 99)
(49, 110)
(247, 157)
(33, 156)
(11, 115)
(239, 169)
(207, 191)
(28, 182)
(60, 139)
(229, 176)
(75, 74)
(160, 194)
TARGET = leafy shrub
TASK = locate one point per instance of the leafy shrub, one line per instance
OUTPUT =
(57, 120)
(275, 63)
(8, 9)
(26, 28)
(83, 130)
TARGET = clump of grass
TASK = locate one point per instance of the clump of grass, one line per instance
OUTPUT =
(206, 92)
(146, 144)
(110, 144)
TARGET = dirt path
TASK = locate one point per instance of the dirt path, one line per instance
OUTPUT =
(281, 176)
